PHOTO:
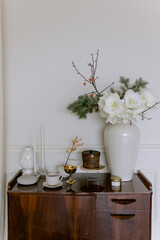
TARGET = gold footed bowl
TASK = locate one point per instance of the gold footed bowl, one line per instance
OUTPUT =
(70, 169)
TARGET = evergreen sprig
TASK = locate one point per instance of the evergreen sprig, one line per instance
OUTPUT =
(84, 105)
(125, 85)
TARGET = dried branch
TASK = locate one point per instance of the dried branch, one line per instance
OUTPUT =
(144, 117)
(96, 61)
(90, 93)
(107, 87)
(80, 73)
(75, 143)
(92, 66)
(149, 108)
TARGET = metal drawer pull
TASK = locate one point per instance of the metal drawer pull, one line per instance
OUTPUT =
(122, 216)
(123, 201)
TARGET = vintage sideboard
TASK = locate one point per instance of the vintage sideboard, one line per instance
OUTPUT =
(89, 210)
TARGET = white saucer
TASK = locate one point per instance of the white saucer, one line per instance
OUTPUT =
(53, 186)
(27, 179)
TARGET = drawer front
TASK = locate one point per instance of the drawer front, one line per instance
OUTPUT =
(118, 225)
(123, 202)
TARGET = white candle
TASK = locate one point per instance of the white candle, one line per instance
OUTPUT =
(42, 138)
(34, 152)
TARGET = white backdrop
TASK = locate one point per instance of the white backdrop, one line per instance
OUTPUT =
(42, 38)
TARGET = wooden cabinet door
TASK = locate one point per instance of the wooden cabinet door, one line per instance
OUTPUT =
(122, 225)
(48, 217)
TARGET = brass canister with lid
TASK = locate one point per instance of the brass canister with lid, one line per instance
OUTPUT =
(91, 159)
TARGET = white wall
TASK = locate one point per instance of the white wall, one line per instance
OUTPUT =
(42, 38)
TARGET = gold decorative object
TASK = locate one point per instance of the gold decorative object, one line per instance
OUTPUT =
(70, 170)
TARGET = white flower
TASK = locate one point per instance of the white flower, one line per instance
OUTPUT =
(132, 100)
(125, 110)
(148, 97)
(101, 105)
(113, 105)
(110, 105)
(111, 120)
(126, 115)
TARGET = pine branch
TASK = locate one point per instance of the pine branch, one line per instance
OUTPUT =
(84, 105)
(125, 82)
(139, 84)
(136, 87)
(112, 90)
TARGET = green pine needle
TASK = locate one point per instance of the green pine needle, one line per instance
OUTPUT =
(84, 105)
(136, 87)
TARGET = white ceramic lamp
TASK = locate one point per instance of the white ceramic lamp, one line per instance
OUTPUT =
(26, 160)
(27, 164)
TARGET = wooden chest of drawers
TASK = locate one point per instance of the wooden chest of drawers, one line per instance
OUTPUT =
(86, 211)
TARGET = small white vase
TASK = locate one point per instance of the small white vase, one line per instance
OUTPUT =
(121, 145)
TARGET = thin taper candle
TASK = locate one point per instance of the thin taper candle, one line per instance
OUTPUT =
(34, 156)
(34, 153)
(42, 136)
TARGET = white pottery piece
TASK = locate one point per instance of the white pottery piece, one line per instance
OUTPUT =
(26, 160)
(27, 179)
(121, 145)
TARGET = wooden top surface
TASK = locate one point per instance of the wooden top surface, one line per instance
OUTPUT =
(139, 184)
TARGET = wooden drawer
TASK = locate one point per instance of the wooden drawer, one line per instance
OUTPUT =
(126, 225)
(123, 202)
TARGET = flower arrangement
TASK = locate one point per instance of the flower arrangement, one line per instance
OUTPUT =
(75, 143)
(126, 104)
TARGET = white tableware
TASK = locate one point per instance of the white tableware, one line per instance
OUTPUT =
(53, 178)
(59, 184)
(27, 179)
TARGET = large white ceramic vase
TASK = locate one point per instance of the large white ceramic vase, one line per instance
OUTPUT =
(121, 145)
